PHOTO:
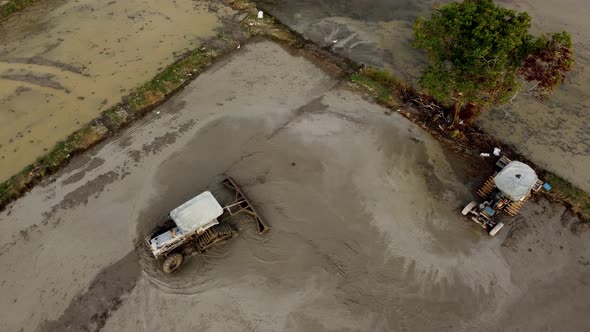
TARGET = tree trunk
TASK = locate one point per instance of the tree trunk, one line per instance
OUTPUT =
(457, 109)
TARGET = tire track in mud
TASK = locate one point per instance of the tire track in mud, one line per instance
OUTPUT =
(43, 73)
(41, 64)
(46, 80)
(93, 164)
(90, 309)
(73, 199)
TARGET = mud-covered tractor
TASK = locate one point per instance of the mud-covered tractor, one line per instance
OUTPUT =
(507, 190)
(198, 225)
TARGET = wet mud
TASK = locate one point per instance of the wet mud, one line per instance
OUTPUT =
(94, 163)
(364, 209)
(90, 310)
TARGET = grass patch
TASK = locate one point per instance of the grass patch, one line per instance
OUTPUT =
(14, 6)
(388, 90)
(383, 93)
(381, 76)
(566, 192)
(116, 118)
(171, 78)
(4, 187)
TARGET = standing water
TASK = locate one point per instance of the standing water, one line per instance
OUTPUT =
(62, 63)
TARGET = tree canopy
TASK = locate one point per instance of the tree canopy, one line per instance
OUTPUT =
(484, 53)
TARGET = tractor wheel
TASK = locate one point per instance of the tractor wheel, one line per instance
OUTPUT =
(215, 235)
(172, 263)
(487, 188)
(513, 208)
(496, 229)
(469, 208)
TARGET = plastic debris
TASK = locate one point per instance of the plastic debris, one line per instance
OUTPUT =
(497, 152)
(158, 112)
(335, 41)
(239, 46)
(260, 14)
(483, 154)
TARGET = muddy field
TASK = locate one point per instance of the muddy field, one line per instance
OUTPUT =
(554, 134)
(364, 208)
(64, 62)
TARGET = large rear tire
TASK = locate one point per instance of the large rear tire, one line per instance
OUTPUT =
(496, 229)
(468, 208)
(514, 207)
(172, 263)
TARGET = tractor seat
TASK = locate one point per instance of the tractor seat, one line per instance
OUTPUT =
(487, 210)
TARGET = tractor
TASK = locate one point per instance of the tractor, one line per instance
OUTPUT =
(507, 190)
(198, 225)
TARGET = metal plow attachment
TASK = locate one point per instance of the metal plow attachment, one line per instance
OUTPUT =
(242, 204)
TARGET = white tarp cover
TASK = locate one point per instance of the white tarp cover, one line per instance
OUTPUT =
(516, 180)
(196, 213)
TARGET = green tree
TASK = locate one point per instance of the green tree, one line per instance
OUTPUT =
(480, 54)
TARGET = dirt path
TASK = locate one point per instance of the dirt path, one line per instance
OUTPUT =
(554, 134)
(62, 63)
(364, 208)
